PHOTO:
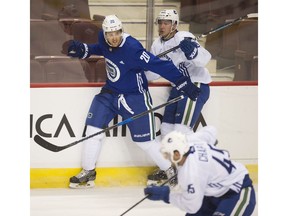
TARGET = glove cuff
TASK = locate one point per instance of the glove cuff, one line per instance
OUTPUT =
(166, 199)
(180, 83)
(86, 51)
(194, 53)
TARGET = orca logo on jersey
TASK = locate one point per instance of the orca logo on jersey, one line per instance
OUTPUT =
(113, 72)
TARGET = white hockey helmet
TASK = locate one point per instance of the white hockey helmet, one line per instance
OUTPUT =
(111, 23)
(168, 14)
(174, 141)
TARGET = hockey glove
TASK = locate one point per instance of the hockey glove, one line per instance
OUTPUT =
(185, 85)
(78, 49)
(158, 193)
(190, 48)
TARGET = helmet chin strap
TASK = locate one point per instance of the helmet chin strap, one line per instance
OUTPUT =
(176, 161)
(191, 151)
(169, 35)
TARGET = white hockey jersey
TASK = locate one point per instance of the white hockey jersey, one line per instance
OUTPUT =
(207, 171)
(194, 68)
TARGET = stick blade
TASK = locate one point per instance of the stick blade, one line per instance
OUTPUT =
(45, 144)
(252, 15)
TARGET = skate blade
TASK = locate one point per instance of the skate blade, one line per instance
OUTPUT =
(89, 184)
(154, 182)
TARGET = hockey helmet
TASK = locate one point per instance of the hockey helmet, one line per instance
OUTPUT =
(111, 23)
(174, 141)
(168, 14)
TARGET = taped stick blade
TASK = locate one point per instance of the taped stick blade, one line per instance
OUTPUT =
(47, 145)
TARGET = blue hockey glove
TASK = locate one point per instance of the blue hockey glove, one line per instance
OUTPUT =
(190, 48)
(158, 193)
(78, 49)
(185, 85)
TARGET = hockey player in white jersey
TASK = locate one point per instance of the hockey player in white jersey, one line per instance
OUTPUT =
(191, 60)
(209, 182)
(125, 93)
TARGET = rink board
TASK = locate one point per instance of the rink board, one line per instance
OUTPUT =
(106, 176)
(58, 115)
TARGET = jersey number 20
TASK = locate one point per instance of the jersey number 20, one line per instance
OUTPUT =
(144, 56)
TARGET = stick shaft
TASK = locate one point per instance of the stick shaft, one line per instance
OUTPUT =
(225, 25)
(147, 196)
(168, 51)
(47, 145)
(205, 34)
(126, 121)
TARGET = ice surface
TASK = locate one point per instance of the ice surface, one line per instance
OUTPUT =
(100, 201)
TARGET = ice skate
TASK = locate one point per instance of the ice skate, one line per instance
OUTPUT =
(172, 175)
(85, 179)
(158, 177)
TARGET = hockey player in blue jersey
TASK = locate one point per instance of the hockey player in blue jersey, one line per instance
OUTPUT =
(125, 93)
(209, 182)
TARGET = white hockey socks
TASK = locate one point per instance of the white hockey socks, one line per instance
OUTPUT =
(152, 148)
(91, 148)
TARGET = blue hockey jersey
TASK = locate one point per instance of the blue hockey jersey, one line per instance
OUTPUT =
(125, 65)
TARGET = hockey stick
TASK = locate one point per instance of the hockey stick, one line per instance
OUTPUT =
(248, 16)
(147, 195)
(205, 34)
(47, 145)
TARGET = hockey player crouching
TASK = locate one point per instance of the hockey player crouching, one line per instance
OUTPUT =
(209, 183)
(125, 93)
